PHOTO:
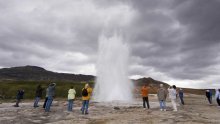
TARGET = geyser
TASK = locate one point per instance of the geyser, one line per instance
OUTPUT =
(112, 79)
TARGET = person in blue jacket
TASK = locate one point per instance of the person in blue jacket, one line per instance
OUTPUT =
(51, 94)
(181, 96)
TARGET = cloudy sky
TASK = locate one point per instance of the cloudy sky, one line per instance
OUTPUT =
(176, 41)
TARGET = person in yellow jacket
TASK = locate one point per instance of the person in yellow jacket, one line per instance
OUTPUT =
(86, 94)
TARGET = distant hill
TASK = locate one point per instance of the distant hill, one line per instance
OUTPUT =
(149, 81)
(34, 73)
(155, 85)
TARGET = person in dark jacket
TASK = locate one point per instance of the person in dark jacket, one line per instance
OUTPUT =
(181, 96)
(20, 95)
(210, 92)
(51, 94)
(38, 95)
(208, 95)
(217, 96)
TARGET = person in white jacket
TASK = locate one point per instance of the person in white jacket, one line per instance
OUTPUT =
(217, 96)
(172, 96)
(71, 97)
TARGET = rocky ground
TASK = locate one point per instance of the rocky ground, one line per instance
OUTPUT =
(196, 111)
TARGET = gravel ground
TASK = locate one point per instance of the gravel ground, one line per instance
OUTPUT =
(196, 111)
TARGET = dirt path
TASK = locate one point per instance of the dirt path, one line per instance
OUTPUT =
(196, 111)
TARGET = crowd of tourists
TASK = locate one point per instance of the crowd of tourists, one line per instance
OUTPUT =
(50, 93)
(162, 94)
(174, 94)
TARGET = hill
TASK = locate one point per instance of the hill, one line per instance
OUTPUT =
(28, 77)
(149, 81)
(34, 73)
(155, 85)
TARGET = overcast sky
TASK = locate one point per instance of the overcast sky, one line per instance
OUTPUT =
(176, 41)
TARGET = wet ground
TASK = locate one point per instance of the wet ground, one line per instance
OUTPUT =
(196, 111)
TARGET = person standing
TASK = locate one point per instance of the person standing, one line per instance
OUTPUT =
(181, 95)
(162, 95)
(208, 95)
(86, 94)
(145, 92)
(51, 94)
(210, 91)
(46, 98)
(172, 96)
(71, 97)
(38, 95)
(20, 95)
(217, 96)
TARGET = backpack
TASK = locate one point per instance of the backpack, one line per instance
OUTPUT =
(84, 92)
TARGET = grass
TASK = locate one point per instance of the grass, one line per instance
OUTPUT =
(8, 90)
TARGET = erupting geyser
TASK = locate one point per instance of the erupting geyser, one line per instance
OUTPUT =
(112, 78)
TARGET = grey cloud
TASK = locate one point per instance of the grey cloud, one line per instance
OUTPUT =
(183, 52)
(201, 20)
(176, 38)
(39, 35)
(46, 28)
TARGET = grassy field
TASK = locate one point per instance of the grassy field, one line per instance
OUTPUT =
(8, 90)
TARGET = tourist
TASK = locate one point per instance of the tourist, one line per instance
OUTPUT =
(86, 94)
(144, 92)
(172, 96)
(210, 91)
(20, 95)
(217, 96)
(51, 94)
(162, 95)
(208, 96)
(181, 96)
(71, 97)
(46, 98)
(38, 95)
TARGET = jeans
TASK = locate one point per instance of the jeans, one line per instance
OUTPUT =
(218, 101)
(85, 106)
(70, 105)
(182, 101)
(37, 99)
(45, 102)
(49, 103)
(209, 98)
(162, 104)
(145, 100)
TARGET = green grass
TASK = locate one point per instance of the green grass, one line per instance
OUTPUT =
(8, 90)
